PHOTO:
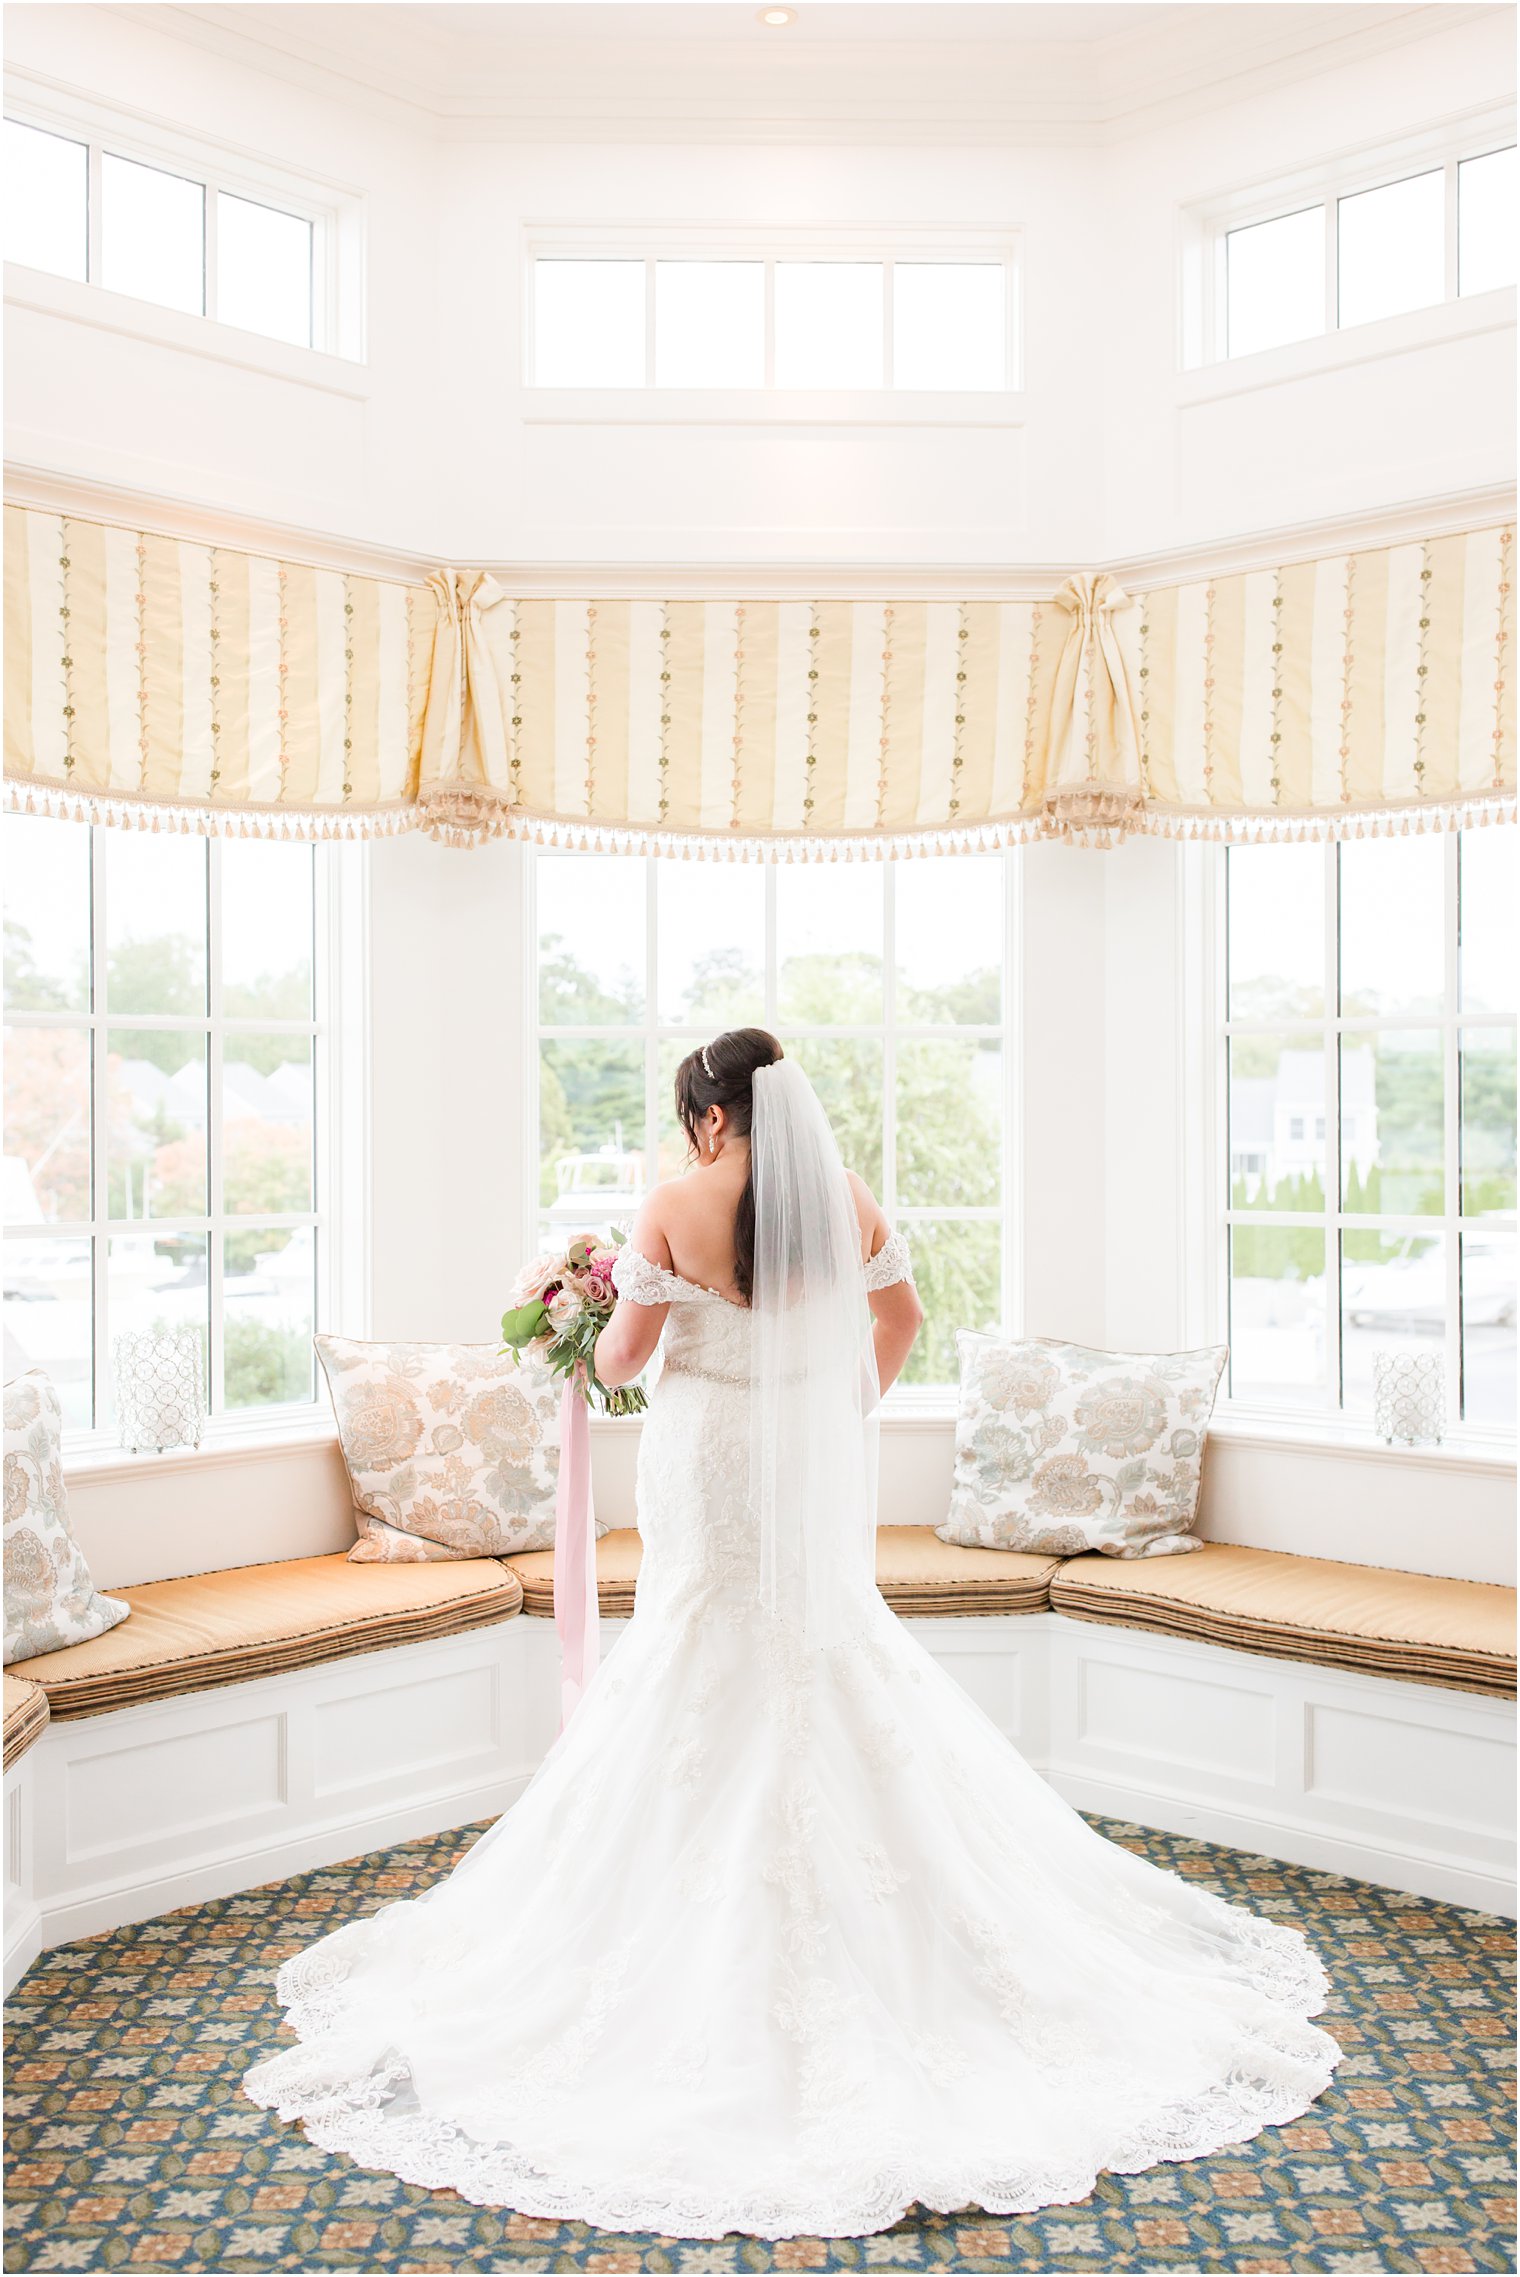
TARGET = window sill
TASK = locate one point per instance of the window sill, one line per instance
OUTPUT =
(93, 305)
(293, 1431)
(1462, 1449)
(1351, 344)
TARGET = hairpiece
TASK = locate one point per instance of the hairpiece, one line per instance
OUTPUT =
(707, 1066)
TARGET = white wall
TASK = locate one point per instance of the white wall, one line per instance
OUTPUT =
(146, 416)
(446, 1153)
(1406, 408)
(992, 484)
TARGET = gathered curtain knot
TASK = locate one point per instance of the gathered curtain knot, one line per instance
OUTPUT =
(1089, 592)
(463, 593)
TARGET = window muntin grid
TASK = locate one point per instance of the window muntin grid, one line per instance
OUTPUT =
(165, 1062)
(1367, 1081)
(889, 981)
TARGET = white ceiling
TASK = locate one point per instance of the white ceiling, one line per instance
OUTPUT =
(876, 70)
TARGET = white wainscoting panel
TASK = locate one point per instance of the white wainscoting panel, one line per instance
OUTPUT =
(187, 1799)
(23, 1914)
(1410, 1785)
(406, 1736)
(117, 1818)
(147, 1790)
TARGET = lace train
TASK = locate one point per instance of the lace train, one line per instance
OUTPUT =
(867, 2192)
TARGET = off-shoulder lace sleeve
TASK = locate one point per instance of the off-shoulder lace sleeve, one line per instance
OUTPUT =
(641, 1281)
(891, 1263)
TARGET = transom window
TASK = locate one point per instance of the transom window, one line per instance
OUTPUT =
(1321, 263)
(762, 320)
(1370, 1081)
(163, 1056)
(178, 236)
(885, 980)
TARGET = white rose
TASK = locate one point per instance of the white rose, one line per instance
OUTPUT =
(565, 1308)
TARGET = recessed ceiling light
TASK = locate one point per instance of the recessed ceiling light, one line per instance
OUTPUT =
(778, 16)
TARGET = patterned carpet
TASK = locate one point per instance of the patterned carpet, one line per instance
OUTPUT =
(130, 2145)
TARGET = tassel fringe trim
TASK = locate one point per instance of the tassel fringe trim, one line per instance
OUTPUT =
(471, 818)
(126, 810)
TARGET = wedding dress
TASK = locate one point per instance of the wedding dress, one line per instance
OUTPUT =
(785, 1936)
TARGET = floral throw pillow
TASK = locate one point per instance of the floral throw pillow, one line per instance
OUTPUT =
(1062, 1449)
(452, 1450)
(50, 1600)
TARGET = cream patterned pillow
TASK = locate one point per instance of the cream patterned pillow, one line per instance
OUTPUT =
(452, 1450)
(50, 1600)
(1062, 1449)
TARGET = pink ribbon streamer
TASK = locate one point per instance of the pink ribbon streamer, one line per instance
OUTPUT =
(576, 1611)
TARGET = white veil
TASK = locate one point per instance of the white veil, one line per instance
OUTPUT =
(815, 1393)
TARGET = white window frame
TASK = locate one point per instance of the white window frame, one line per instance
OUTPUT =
(335, 211)
(907, 1400)
(1203, 1168)
(1206, 223)
(886, 405)
(339, 1216)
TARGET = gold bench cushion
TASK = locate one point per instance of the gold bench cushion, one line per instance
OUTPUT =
(915, 1571)
(1417, 1627)
(26, 1715)
(261, 1620)
(617, 1569)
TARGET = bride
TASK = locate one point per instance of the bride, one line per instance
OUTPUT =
(784, 1936)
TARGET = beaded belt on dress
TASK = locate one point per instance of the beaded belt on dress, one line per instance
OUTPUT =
(711, 1375)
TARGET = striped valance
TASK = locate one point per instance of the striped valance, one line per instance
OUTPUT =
(154, 676)
(157, 680)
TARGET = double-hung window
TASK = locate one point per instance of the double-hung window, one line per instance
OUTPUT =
(888, 982)
(1369, 1086)
(165, 1062)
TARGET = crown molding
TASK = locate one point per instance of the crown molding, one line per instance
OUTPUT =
(854, 79)
(53, 492)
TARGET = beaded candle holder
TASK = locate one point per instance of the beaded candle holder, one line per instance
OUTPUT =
(160, 1388)
(1409, 1396)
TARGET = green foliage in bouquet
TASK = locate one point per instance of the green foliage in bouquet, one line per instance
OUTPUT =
(564, 1303)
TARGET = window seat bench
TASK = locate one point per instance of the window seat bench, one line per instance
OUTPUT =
(233, 1627)
(1413, 1626)
(252, 1723)
(1366, 1619)
(918, 1575)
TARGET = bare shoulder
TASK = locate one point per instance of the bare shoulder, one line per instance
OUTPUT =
(873, 1223)
(650, 1236)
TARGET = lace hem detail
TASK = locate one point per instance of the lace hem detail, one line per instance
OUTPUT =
(892, 1262)
(875, 2186)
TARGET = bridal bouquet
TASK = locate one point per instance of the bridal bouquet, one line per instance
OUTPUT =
(560, 1305)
